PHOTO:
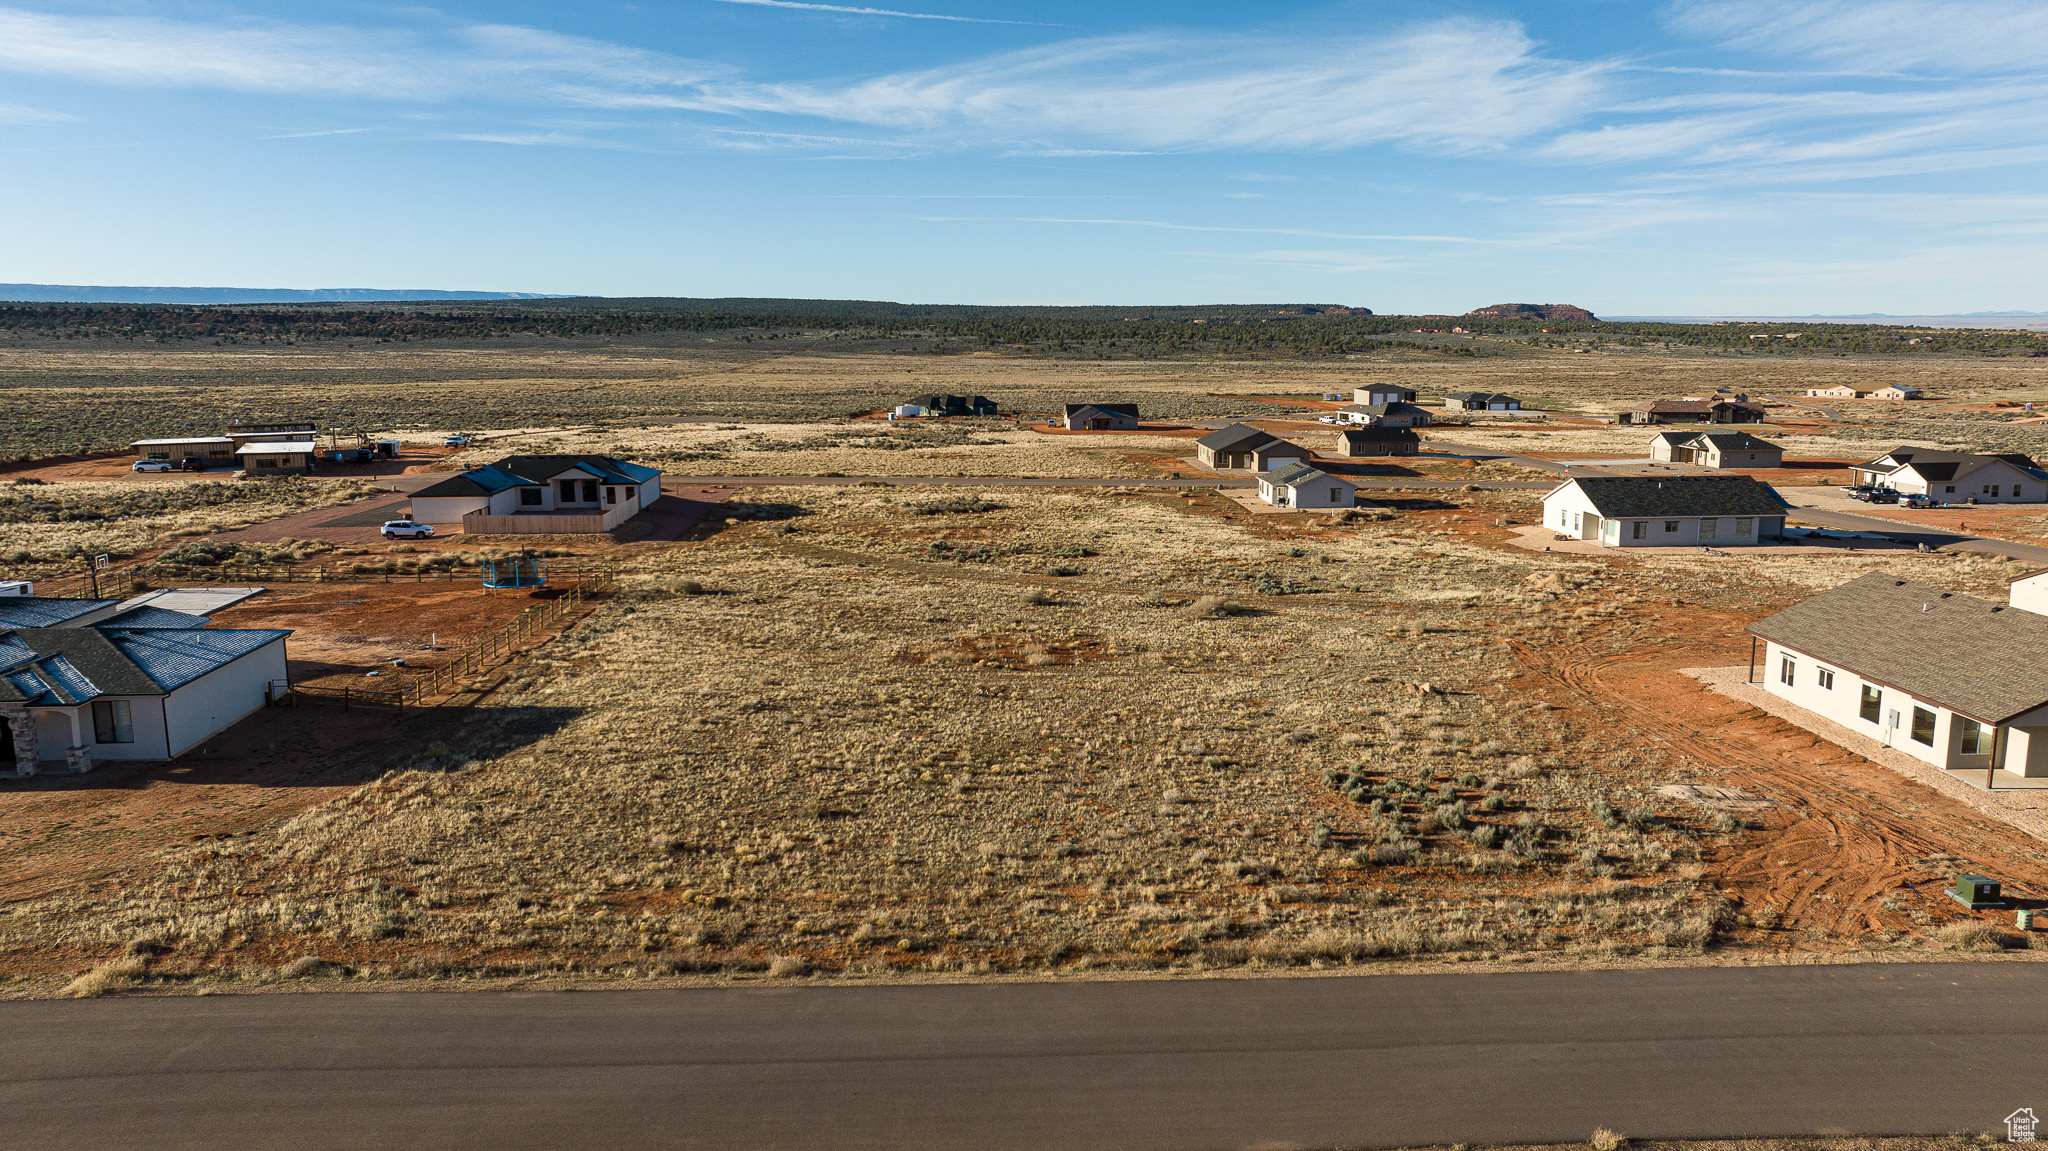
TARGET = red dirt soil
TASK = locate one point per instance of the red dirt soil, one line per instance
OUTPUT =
(1844, 838)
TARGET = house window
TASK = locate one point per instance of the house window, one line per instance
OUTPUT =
(1949, 490)
(1563, 517)
(1787, 671)
(530, 497)
(1973, 739)
(1867, 708)
(589, 491)
(1707, 529)
(1638, 530)
(1989, 490)
(1825, 678)
(111, 721)
(2015, 491)
(1670, 525)
(611, 495)
(1923, 726)
(1336, 495)
(1744, 529)
(568, 491)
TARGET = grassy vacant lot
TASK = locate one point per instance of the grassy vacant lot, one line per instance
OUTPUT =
(1028, 730)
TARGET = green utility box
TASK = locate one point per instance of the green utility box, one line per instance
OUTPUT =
(1976, 891)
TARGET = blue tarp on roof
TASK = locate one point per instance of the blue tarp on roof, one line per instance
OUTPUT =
(175, 658)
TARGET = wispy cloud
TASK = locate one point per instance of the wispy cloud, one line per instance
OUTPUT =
(1968, 36)
(309, 135)
(850, 11)
(16, 114)
(1172, 227)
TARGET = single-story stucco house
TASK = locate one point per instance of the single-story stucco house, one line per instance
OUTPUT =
(1240, 447)
(1694, 412)
(1298, 485)
(1716, 450)
(1377, 442)
(1100, 417)
(1482, 402)
(132, 686)
(1956, 681)
(1956, 476)
(1672, 511)
(601, 490)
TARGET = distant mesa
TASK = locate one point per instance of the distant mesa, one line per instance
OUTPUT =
(1530, 312)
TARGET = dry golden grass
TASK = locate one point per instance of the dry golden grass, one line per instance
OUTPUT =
(852, 753)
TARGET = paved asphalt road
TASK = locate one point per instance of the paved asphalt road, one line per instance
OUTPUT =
(1932, 536)
(1173, 1066)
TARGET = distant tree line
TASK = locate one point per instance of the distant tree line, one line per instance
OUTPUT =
(1308, 331)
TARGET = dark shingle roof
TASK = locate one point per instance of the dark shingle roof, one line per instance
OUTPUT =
(93, 656)
(1380, 435)
(1130, 410)
(1620, 497)
(1737, 442)
(1963, 653)
(45, 611)
(542, 468)
(1389, 409)
(1299, 472)
(1236, 436)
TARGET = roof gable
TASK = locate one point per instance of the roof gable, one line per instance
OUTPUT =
(1963, 653)
(1236, 436)
(19, 611)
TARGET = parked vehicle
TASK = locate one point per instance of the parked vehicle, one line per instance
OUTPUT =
(1884, 496)
(1328, 420)
(1918, 500)
(150, 466)
(455, 442)
(407, 529)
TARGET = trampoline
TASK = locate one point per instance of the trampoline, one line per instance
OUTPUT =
(516, 572)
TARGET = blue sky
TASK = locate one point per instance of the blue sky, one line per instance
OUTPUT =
(1702, 156)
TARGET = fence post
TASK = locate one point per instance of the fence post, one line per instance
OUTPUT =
(344, 699)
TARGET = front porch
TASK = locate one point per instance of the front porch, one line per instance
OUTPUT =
(39, 739)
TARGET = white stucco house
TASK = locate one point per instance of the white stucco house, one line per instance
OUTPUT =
(1958, 476)
(1729, 449)
(599, 488)
(1298, 485)
(1956, 681)
(137, 684)
(1670, 511)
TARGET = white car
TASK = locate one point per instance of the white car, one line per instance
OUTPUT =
(151, 466)
(1328, 420)
(455, 442)
(406, 529)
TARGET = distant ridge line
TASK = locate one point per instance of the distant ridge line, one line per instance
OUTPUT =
(104, 294)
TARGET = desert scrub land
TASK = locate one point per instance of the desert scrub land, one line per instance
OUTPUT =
(58, 399)
(46, 528)
(973, 447)
(821, 743)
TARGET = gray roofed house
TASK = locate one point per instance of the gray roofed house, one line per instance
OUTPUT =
(1100, 417)
(1378, 442)
(1301, 485)
(1955, 680)
(1241, 447)
(1482, 402)
(1673, 511)
(1716, 449)
(73, 695)
(569, 493)
(1394, 415)
(147, 616)
(1958, 476)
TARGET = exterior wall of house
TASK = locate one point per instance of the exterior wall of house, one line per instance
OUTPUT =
(215, 452)
(1100, 421)
(451, 509)
(222, 697)
(1843, 703)
(1382, 395)
(1714, 457)
(1324, 493)
(1666, 452)
(1376, 448)
(146, 719)
(284, 463)
(1273, 457)
(2030, 594)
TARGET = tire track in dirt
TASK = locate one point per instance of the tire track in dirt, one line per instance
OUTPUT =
(1844, 850)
